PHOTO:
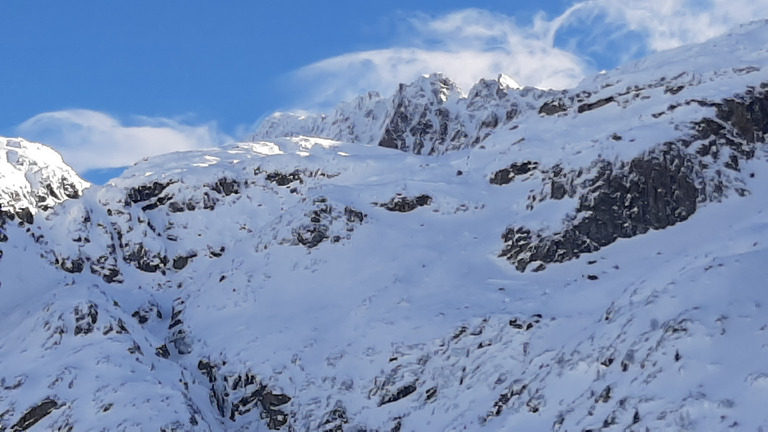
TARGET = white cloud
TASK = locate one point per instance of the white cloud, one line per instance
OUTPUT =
(471, 44)
(91, 139)
(466, 45)
(672, 23)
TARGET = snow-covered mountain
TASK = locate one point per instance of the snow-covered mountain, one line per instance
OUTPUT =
(32, 177)
(429, 116)
(589, 259)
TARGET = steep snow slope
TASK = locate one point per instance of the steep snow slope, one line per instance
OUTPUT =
(34, 176)
(593, 262)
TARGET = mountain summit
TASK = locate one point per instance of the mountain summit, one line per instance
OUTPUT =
(502, 259)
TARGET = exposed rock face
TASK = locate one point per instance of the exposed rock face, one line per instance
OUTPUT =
(403, 204)
(650, 192)
(35, 414)
(506, 175)
(33, 177)
(236, 395)
(623, 201)
(427, 117)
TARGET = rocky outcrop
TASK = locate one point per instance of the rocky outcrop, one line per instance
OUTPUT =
(326, 222)
(35, 414)
(430, 116)
(650, 192)
(404, 204)
(621, 201)
(506, 175)
(34, 178)
(237, 395)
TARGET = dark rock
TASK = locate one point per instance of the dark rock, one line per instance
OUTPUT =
(673, 90)
(553, 107)
(651, 192)
(143, 260)
(178, 336)
(397, 427)
(157, 203)
(135, 348)
(162, 351)
(282, 179)
(504, 399)
(311, 236)
(25, 215)
(72, 265)
(141, 318)
(411, 127)
(175, 207)
(225, 186)
(430, 394)
(106, 267)
(85, 318)
(423, 200)
(121, 328)
(747, 115)
(147, 311)
(334, 420)
(604, 395)
(181, 261)
(145, 192)
(353, 215)
(404, 204)
(506, 175)
(594, 105)
(208, 369)
(401, 392)
(228, 388)
(558, 190)
(35, 414)
(216, 253)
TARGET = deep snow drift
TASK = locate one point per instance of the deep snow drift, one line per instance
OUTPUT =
(591, 259)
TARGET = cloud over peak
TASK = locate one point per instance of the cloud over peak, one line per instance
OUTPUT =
(558, 52)
(91, 139)
(464, 45)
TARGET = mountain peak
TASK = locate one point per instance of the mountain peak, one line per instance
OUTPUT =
(34, 177)
(508, 82)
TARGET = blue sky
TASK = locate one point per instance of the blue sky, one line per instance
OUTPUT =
(107, 83)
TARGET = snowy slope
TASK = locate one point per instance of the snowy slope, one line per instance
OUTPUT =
(34, 176)
(592, 262)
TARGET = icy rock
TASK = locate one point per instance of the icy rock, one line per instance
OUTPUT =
(35, 414)
(404, 204)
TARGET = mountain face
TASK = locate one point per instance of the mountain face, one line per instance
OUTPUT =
(32, 177)
(431, 116)
(580, 260)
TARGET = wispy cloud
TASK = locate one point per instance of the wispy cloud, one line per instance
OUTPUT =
(466, 45)
(670, 23)
(557, 52)
(91, 139)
